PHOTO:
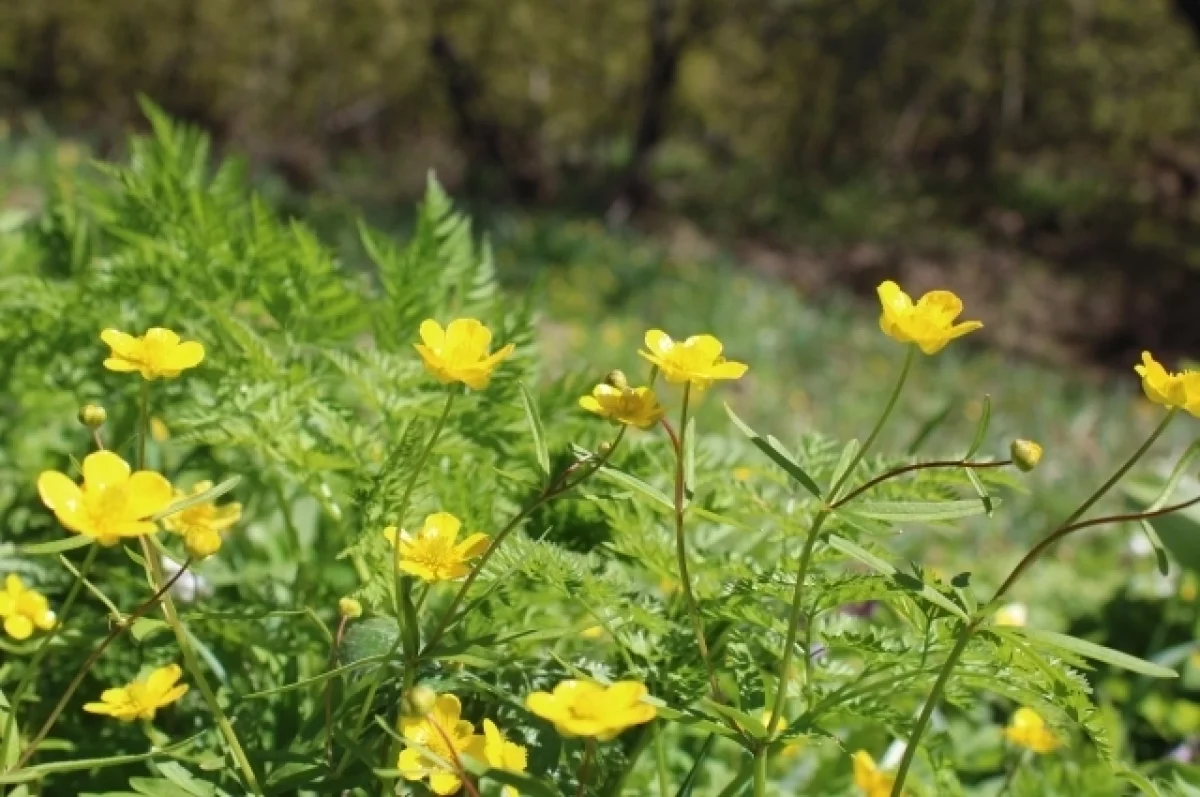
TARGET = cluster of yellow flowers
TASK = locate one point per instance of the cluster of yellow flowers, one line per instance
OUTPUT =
(24, 609)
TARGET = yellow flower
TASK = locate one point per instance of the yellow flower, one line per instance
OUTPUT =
(632, 406)
(157, 354)
(1013, 614)
(869, 779)
(929, 323)
(459, 353)
(140, 699)
(23, 609)
(435, 554)
(111, 503)
(159, 430)
(1027, 729)
(503, 754)
(696, 360)
(1169, 389)
(444, 734)
(593, 632)
(583, 708)
(201, 524)
(743, 474)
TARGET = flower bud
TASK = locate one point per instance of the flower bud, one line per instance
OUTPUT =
(1026, 454)
(604, 448)
(92, 416)
(617, 379)
(202, 543)
(350, 608)
(419, 701)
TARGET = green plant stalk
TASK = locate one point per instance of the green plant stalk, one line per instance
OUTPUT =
(819, 521)
(92, 658)
(738, 781)
(685, 580)
(660, 760)
(1012, 774)
(969, 629)
(589, 752)
(760, 772)
(35, 662)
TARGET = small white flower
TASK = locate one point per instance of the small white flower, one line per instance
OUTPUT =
(190, 586)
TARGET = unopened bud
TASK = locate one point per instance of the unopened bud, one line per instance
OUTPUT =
(419, 701)
(202, 544)
(604, 448)
(617, 379)
(350, 608)
(92, 416)
(1026, 454)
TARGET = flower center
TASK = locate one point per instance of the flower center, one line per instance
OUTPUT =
(588, 708)
(107, 505)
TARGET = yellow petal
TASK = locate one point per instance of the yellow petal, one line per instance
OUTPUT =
(704, 345)
(893, 299)
(99, 708)
(121, 365)
(104, 469)
(149, 494)
(625, 693)
(410, 765)
(59, 493)
(444, 783)
(729, 370)
(185, 355)
(19, 627)
(544, 705)
(123, 345)
(591, 405)
(443, 524)
(943, 302)
(472, 546)
(162, 679)
(658, 342)
(468, 334)
(432, 334)
(446, 710)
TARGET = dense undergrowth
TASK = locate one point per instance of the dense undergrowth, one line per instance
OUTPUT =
(318, 662)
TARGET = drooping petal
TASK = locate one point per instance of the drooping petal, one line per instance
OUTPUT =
(590, 404)
(104, 469)
(729, 370)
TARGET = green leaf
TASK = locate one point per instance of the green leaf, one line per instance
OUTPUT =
(1090, 650)
(316, 680)
(689, 782)
(849, 452)
(746, 722)
(39, 771)
(144, 627)
(880, 566)
(536, 429)
(1143, 783)
(689, 459)
(371, 638)
(1178, 531)
(918, 511)
(12, 747)
(521, 781)
(989, 506)
(985, 417)
(211, 494)
(776, 452)
(637, 485)
(56, 546)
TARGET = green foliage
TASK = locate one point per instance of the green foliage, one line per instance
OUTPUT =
(312, 398)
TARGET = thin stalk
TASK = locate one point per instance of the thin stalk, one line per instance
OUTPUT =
(760, 772)
(589, 752)
(333, 659)
(738, 781)
(1012, 775)
(819, 521)
(34, 666)
(968, 630)
(685, 580)
(92, 659)
(143, 423)
(660, 760)
(894, 472)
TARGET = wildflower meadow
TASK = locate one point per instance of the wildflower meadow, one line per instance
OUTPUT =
(273, 525)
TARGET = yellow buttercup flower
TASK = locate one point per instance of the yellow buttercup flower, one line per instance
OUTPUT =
(24, 609)
(593, 632)
(459, 353)
(1027, 729)
(1181, 390)
(443, 733)
(1012, 614)
(632, 406)
(157, 354)
(111, 503)
(929, 323)
(503, 754)
(201, 525)
(159, 430)
(584, 708)
(141, 699)
(869, 779)
(696, 360)
(435, 554)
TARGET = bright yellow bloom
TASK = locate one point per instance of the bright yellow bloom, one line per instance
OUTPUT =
(435, 554)
(157, 354)
(1027, 729)
(202, 524)
(593, 632)
(140, 699)
(1180, 390)
(111, 503)
(696, 360)
(869, 779)
(929, 323)
(584, 708)
(444, 734)
(24, 609)
(503, 754)
(159, 430)
(1012, 614)
(632, 406)
(459, 353)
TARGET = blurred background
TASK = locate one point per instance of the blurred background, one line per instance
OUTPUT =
(1040, 156)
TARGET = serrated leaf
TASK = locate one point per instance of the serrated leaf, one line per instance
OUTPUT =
(776, 452)
(535, 428)
(1090, 650)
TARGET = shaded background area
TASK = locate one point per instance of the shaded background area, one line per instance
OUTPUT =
(1041, 156)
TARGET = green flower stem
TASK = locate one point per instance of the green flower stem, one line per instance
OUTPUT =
(115, 632)
(900, 471)
(555, 489)
(589, 752)
(1012, 774)
(969, 629)
(192, 664)
(738, 781)
(34, 666)
(143, 423)
(760, 772)
(685, 580)
(660, 760)
(806, 555)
